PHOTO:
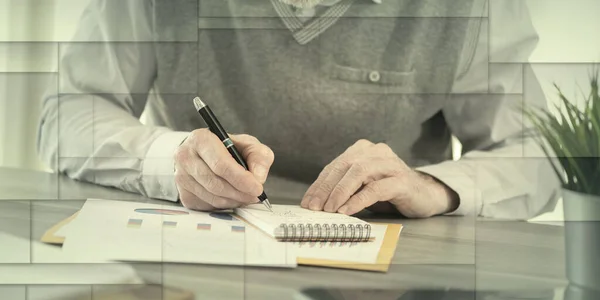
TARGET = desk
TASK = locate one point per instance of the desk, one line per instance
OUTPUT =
(456, 252)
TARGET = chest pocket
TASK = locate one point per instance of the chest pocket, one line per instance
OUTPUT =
(355, 80)
(367, 55)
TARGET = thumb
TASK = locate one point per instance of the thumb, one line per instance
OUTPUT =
(258, 156)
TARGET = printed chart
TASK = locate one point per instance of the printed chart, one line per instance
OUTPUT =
(138, 223)
(155, 211)
(222, 216)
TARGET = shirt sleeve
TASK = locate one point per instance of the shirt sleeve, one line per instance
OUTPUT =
(502, 173)
(90, 127)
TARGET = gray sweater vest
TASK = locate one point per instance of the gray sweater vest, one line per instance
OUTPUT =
(381, 72)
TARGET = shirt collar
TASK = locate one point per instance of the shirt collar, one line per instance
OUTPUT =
(307, 3)
(304, 33)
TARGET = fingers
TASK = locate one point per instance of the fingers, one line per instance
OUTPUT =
(189, 200)
(209, 178)
(216, 185)
(359, 174)
(217, 158)
(380, 190)
(258, 156)
(354, 179)
(195, 196)
(308, 196)
(319, 191)
(326, 186)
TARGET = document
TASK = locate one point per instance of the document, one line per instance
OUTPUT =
(130, 231)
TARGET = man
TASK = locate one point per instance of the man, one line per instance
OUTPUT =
(356, 99)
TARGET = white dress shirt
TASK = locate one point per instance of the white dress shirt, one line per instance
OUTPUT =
(140, 151)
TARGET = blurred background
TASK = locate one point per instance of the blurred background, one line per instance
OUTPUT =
(30, 31)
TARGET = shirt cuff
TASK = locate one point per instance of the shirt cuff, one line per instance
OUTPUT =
(158, 170)
(461, 180)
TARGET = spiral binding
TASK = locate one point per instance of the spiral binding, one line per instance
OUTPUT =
(325, 232)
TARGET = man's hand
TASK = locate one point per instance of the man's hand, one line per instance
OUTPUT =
(208, 177)
(367, 174)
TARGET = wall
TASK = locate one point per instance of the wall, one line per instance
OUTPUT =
(569, 44)
(29, 32)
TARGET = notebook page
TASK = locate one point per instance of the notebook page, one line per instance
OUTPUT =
(261, 217)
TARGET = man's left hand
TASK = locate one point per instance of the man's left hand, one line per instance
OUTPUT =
(367, 175)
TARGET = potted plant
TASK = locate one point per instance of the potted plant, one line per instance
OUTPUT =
(573, 136)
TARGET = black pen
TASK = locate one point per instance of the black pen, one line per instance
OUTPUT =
(215, 127)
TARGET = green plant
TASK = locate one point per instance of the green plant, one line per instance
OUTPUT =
(573, 135)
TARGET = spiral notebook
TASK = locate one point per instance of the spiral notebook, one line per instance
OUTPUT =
(294, 223)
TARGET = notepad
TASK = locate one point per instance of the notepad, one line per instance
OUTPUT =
(294, 223)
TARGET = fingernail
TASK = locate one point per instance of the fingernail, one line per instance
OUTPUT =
(305, 202)
(343, 210)
(260, 172)
(314, 204)
(251, 199)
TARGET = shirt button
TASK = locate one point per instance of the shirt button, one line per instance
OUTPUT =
(374, 76)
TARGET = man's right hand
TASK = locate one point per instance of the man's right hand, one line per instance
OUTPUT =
(208, 178)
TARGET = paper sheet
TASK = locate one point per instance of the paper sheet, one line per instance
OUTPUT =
(63, 231)
(294, 214)
(129, 231)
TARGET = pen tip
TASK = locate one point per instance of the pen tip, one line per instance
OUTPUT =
(268, 205)
(198, 103)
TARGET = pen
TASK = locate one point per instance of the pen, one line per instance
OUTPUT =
(215, 127)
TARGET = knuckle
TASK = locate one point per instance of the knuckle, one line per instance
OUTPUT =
(199, 171)
(194, 136)
(221, 168)
(362, 198)
(325, 188)
(363, 142)
(384, 147)
(199, 135)
(344, 163)
(340, 190)
(399, 168)
(268, 153)
(214, 185)
(369, 190)
(341, 166)
(181, 154)
(358, 169)
(249, 138)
